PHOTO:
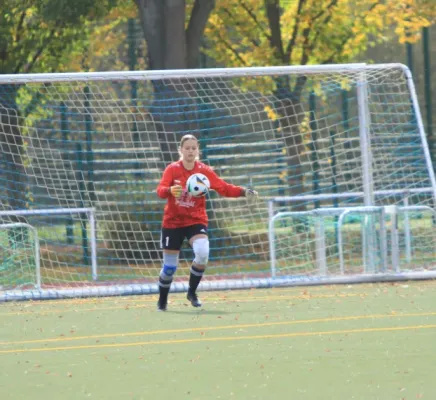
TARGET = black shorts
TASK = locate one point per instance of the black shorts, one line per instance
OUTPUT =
(172, 238)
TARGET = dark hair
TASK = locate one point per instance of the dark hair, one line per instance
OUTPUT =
(187, 137)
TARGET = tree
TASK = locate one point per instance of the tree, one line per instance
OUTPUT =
(173, 30)
(36, 36)
(301, 32)
(173, 40)
(111, 40)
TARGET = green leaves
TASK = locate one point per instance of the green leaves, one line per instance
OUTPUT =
(45, 35)
(67, 12)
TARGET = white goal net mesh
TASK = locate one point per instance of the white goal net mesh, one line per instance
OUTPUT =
(305, 138)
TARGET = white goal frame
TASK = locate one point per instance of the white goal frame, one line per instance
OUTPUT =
(368, 194)
(36, 247)
(30, 294)
(341, 213)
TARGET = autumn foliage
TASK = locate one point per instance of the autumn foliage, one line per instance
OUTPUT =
(300, 32)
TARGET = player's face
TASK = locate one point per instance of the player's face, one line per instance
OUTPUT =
(189, 150)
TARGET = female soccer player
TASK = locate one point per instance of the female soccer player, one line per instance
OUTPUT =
(185, 217)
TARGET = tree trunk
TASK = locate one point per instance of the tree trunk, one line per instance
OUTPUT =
(11, 147)
(11, 143)
(151, 14)
(174, 36)
(174, 107)
(291, 134)
(194, 33)
(290, 109)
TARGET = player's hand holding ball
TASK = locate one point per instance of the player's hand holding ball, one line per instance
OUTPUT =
(251, 194)
(176, 191)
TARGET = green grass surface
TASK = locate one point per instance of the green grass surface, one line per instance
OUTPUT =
(328, 342)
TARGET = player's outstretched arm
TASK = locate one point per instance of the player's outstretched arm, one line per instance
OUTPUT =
(227, 189)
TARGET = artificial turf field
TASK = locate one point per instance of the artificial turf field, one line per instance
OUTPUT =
(373, 341)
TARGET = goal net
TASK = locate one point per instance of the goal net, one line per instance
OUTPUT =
(337, 153)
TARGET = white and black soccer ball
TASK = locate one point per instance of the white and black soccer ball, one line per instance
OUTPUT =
(198, 185)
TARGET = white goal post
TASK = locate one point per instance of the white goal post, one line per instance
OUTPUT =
(338, 154)
(36, 265)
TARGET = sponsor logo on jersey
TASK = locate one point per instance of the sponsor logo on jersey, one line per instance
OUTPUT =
(185, 200)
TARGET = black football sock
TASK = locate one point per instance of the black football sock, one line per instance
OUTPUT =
(195, 278)
(164, 288)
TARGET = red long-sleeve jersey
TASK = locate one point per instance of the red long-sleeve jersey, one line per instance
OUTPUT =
(188, 210)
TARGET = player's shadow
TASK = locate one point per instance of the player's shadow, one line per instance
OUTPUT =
(201, 311)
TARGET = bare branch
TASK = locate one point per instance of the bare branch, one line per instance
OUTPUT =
(273, 14)
(326, 9)
(298, 88)
(305, 53)
(351, 34)
(291, 44)
(253, 41)
(309, 48)
(229, 46)
(28, 67)
(194, 32)
(254, 18)
(20, 26)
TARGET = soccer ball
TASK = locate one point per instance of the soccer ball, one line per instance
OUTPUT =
(198, 185)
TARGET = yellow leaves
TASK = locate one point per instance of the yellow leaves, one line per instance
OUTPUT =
(272, 115)
(409, 17)
(359, 38)
(374, 21)
(105, 38)
(410, 30)
(123, 11)
(355, 29)
(337, 34)
(214, 20)
(347, 51)
(381, 8)
(305, 128)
